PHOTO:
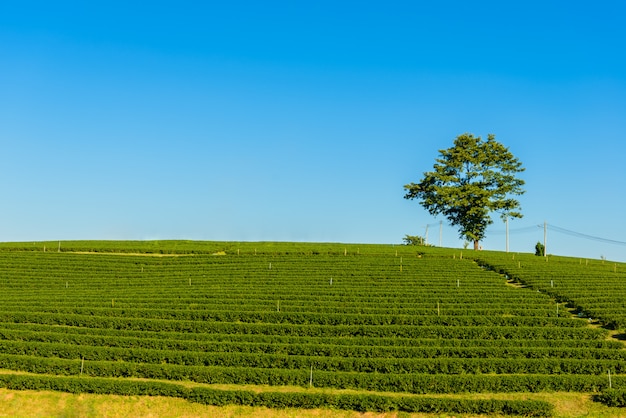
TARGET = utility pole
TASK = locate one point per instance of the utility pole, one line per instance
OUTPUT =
(545, 238)
(506, 221)
(426, 237)
(440, 232)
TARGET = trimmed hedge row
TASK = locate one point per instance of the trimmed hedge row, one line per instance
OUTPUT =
(208, 396)
(379, 382)
(377, 403)
(299, 318)
(397, 331)
(441, 365)
(203, 341)
(81, 344)
(612, 397)
(291, 304)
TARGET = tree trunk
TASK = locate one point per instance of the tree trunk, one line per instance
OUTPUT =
(476, 245)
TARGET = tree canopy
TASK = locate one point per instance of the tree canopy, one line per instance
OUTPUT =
(469, 181)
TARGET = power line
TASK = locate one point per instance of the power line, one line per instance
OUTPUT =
(583, 236)
(554, 228)
(516, 230)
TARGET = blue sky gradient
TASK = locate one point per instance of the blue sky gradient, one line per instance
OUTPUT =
(283, 121)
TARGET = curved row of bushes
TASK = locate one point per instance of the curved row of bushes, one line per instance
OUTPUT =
(437, 365)
(307, 400)
(95, 346)
(379, 382)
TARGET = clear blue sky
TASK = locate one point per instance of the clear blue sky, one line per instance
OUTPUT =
(284, 120)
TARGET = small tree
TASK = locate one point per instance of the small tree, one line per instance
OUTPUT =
(470, 180)
(540, 250)
(413, 240)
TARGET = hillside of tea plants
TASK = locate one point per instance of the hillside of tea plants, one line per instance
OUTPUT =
(344, 326)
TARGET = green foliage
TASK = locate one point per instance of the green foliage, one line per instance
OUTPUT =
(280, 400)
(540, 250)
(594, 289)
(469, 181)
(612, 397)
(413, 240)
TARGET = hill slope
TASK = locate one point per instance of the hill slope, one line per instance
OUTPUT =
(409, 323)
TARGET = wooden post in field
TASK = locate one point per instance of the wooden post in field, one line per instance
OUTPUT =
(610, 384)
(458, 283)
(331, 281)
(311, 377)
(438, 311)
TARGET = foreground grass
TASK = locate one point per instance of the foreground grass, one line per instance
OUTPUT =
(55, 404)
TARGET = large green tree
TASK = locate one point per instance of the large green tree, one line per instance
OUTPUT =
(469, 181)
